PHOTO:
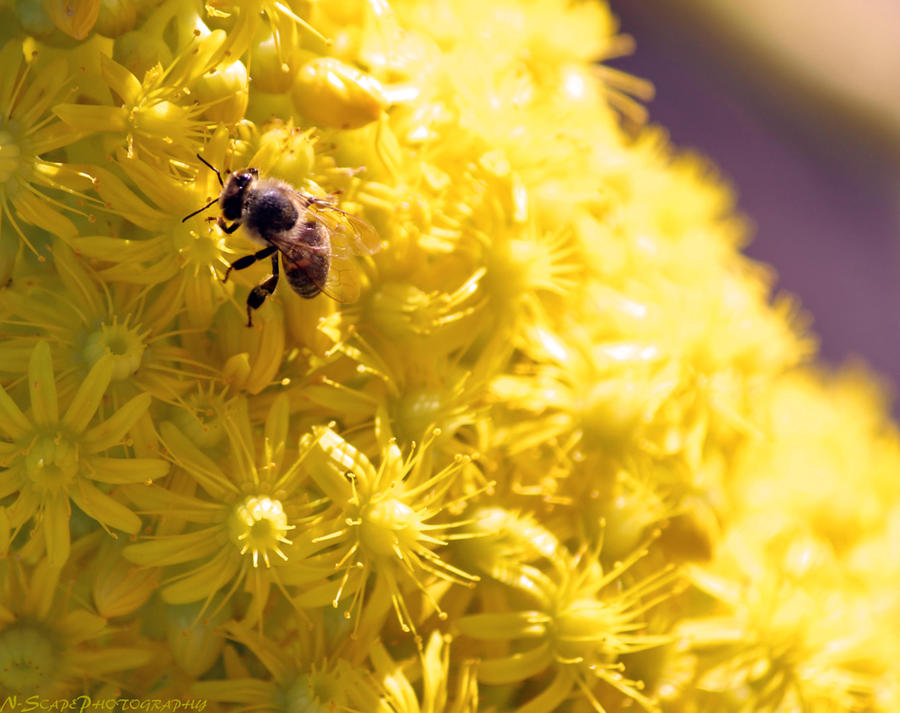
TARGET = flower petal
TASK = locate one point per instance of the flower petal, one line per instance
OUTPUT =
(104, 509)
(12, 421)
(11, 59)
(37, 212)
(204, 581)
(56, 514)
(11, 480)
(200, 466)
(82, 625)
(276, 432)
(112, 430)
(93, 117)
(175, 549)
(120, 80)
(41, 92)
(23, 507)
(108, 660)
(87, 399)
(127, 470)
(42, 386)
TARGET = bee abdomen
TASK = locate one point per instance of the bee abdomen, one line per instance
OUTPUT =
(307, 280)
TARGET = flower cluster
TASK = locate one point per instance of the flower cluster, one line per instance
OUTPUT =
(565, 452)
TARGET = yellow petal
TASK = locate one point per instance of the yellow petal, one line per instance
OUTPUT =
(269, 350)
(12, 421)
(87, 399)
(104, 509)
(56, 516)
(81, 625)
(127, 470)
(175, 549)
(120, 80)
(276, 431)
(204, 581)
(200, 466)
(92, 117)
(518, 667)
(37, 212)
(109, 659)
(4, 533)
(79, 282)
(42, 386)
(41, 93)
(121, 199)
(112, 430)
(11, 59)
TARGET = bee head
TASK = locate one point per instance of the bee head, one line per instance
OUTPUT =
(231, 201)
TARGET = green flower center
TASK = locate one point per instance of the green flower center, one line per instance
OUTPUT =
(316, 692)
(52, 463)
(258, 525)
(29, 658)
(587, 629)
(202, 424)
(125, 343)
(387, 524)
(197, 247)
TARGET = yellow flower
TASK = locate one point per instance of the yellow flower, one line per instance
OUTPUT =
(50, 644)
(28, 89)
(583, 621)
(561, 382)
(383, 529)
(87, 321)
(399, 696)
(54, 460)
(301, 673)
(154, 121)
(250, 527)
(787, 631)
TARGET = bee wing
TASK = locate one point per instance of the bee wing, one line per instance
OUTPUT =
(349, 236)
(358, 234)
(342, 282)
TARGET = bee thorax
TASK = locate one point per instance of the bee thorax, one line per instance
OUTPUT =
(269, 211)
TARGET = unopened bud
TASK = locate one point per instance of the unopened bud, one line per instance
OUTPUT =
(335, 95)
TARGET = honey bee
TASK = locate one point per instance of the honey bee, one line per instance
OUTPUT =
(316, 239)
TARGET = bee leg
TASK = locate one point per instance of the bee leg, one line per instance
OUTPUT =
(244, 262)
(265, 288)
(229, 229)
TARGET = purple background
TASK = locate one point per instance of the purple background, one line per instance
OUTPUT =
(821, 195)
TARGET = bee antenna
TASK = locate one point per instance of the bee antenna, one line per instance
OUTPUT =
(216, 170)
(200, 210)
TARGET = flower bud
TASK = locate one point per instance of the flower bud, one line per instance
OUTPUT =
(34, 20)
(288, 152)
(271, 73)
(74, 17)
(139, 51)
(226, 91)
(335, 95)
(119, 587)
(116, 17)
(195, 644)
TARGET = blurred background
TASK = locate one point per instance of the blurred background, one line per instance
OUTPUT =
(798, 103)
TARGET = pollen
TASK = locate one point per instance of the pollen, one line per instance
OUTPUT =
(258, 526)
